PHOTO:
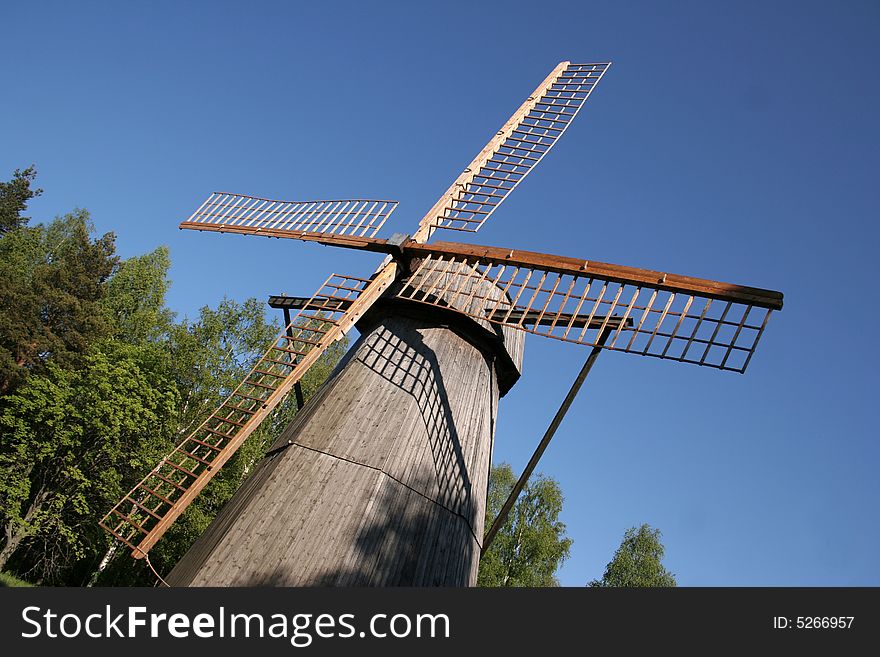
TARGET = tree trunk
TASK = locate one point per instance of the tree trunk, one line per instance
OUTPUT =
(12, 541)
(13, 537)
(105, 561)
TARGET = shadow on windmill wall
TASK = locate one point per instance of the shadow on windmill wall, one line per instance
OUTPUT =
(417, 527)
(419, 541)
(400, 355)
(379, 482)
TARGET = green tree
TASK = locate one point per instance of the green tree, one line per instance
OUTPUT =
(53, 279)
(97, 382)
(134, 298)
(14, 196)
(637, 562)
(70, 441)
(532, 545)
(213, 353)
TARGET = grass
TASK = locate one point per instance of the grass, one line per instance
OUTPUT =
(10, 580)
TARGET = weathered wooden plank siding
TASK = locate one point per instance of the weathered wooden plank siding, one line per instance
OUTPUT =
(383, 481)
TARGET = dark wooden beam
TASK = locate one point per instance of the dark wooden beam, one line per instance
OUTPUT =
(327, 239)
(529, 318)
(473, 253)
(282, 301)
(297, 387)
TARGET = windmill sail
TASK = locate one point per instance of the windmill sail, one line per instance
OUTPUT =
(514, 151)
(148, 510)
(662, 315)
(238, 213)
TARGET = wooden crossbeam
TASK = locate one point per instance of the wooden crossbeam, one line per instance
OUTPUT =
(362, 243)
(475, 253)
(528, 318)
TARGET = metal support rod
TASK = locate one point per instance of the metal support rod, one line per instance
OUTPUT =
(548, 436)
(297, 388)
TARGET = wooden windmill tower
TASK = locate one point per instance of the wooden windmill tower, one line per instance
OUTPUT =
(381, 478)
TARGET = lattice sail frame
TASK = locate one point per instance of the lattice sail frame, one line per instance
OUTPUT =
(146, 512)
(514, 151)
(702, 329)
(252, 214)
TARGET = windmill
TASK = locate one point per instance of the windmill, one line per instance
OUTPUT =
(381, 478)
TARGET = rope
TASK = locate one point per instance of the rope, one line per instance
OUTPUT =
(147, 559)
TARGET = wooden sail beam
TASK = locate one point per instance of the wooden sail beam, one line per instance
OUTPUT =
(476, 253)
(358, 242)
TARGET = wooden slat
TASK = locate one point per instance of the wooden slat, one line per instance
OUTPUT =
(202, 442)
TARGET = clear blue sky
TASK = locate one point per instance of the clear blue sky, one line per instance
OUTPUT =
(733, 141)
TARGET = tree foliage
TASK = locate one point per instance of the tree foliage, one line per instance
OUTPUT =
(72, 439)
(14, 196)
(532, 545)
(637, 562)
(134, 298)
(98, 380)
(53, 278)
(212, 354)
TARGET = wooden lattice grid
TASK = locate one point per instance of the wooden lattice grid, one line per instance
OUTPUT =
(355, 217)
(515, 150)
(651, 321)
